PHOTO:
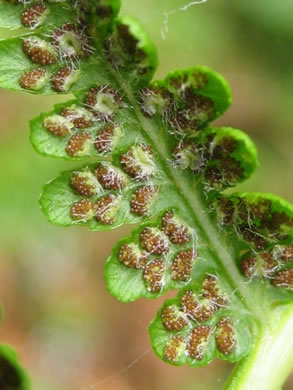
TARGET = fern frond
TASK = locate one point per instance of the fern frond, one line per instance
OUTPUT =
(153, 158)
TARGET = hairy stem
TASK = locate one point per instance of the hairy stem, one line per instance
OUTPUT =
(271, 360)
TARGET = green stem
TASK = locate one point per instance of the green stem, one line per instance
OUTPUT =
(271, 361)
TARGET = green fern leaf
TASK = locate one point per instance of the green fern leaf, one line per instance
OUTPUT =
(153, 158)
(12, 376)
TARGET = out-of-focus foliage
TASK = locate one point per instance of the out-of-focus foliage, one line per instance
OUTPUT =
(57, 309)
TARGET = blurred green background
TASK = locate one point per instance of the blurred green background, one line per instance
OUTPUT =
(71, 334)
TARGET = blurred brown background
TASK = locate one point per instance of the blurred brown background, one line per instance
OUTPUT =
(71, 334)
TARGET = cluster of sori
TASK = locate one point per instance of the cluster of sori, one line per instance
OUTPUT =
(130, 182)
(57, 51)
(77, 124)
(57, 54)
(197, 323)
(126, 51)
(266, 226)
(179, 101)
(186, 106)
(211, 157)
(163, 253)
